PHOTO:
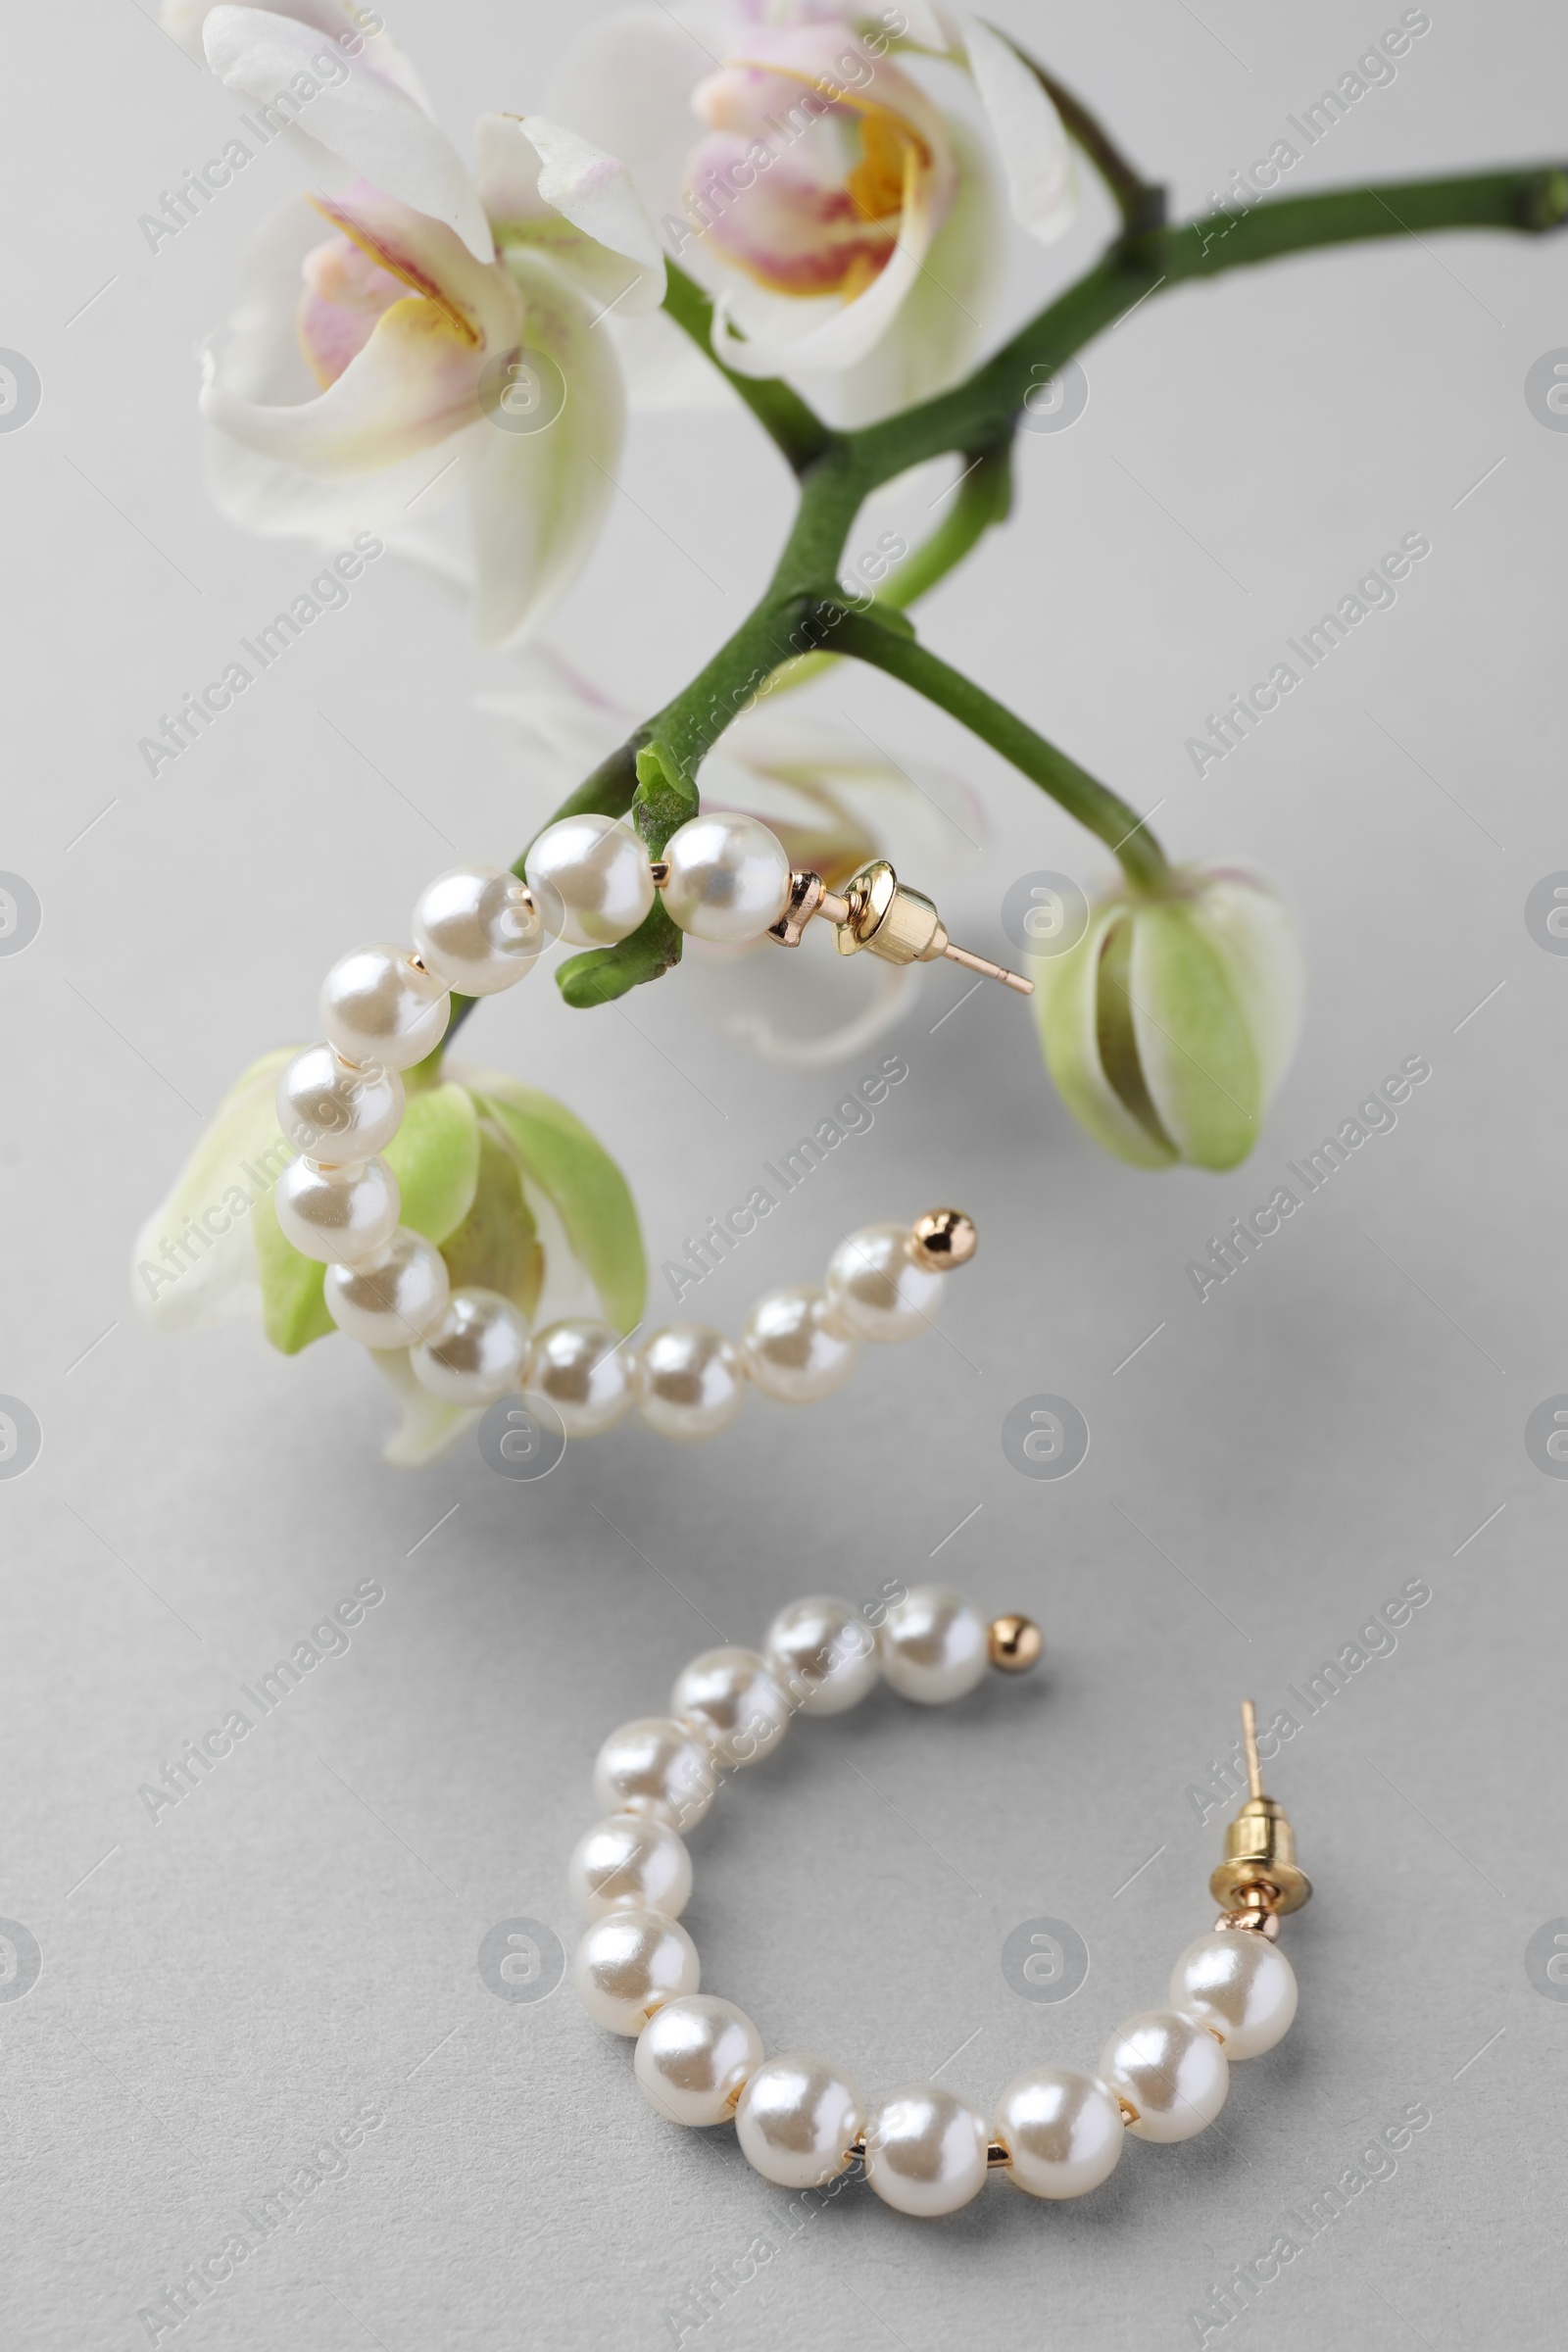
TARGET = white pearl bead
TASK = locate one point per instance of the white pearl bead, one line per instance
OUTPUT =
(657, 1765)
(331, 1110)
(795, 1350)
(1169, 2068)
(878, 1288)
(925, 2150)
(694, 2057)
(730, 877)
(476, 928)
(376, 1005)
(630, 1964)
(935, 1646)
(591, 879)
(735, 1704)
(340, 1214)
(630, 1861)
(586, 1374)
(392, 1300)
(475, 1352)
(823, 1653)
(1240, 1985)
(1063, 2129)
(691, 1382)
(796, 2120)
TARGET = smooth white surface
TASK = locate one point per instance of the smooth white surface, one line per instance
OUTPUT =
(690, 1381)
(585, 1372)
(925, 2150)
(245, 1974)
(824, 1654)
(376, 1005)
(654, 1764)
(477, 1350)
(393, 1299)
(730, 877)
(342, 1216)
(795, 1350)
(477, 929)
(630, 1859)
(590, 878)
(797, 2118)
(876, 1288)
(329, 1110)
(735, 1703)
(1171, 2069)
(1064, 2130)
(1247, 1995)
(694, 2057)
(628, 1964)
(935, 1646)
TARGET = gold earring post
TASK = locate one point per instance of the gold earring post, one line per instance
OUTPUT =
(880, 914)
(1258, 1880)
(1254, 1770)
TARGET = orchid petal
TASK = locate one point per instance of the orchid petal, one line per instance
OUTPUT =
(626, 84)
(261, 362)
(924, 27)
(1067, 1015)
(812, 56)
(940, 323)
(592, 1218)
(539, 497)
(366, 119)
(1036, 158)
(412, 385)
(542, 187)
(852, 328)
(417, 379)
(663, 369)
(355, 31)
(184, 1284)
(809, 1013)
(594, 192)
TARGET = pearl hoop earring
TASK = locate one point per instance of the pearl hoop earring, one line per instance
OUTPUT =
(477, 931)
(801, 2121)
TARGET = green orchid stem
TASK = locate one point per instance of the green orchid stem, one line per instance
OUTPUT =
(1141, 202)
(654, 774)
(983, 497)
(1103, 811)
(796, 429)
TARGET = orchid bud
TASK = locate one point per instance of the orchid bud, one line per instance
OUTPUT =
(1170, 1024)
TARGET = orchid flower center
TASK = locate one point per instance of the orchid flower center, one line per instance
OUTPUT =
(822, 216)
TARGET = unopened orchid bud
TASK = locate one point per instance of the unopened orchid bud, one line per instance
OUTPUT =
(1171, 1023)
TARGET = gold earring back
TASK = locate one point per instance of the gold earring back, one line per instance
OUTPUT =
(1258, 1880)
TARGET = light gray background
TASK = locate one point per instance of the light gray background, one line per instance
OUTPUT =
(299, 1938)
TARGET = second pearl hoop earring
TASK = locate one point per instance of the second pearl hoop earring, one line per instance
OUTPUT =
(1055, 2131)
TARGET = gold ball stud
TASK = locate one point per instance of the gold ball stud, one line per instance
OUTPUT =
(944, 1237)
(1015, 1643)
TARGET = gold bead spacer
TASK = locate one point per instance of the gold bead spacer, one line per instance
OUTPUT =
(1252, 1921)
(944, 1237)
(1015, 1643)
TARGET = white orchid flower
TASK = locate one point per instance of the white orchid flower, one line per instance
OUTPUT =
(418, 329)
(835, 799)
(843, 218)
(515, 1191)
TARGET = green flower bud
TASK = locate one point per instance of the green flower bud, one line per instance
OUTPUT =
(516, 1192)
(1170, 1024)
